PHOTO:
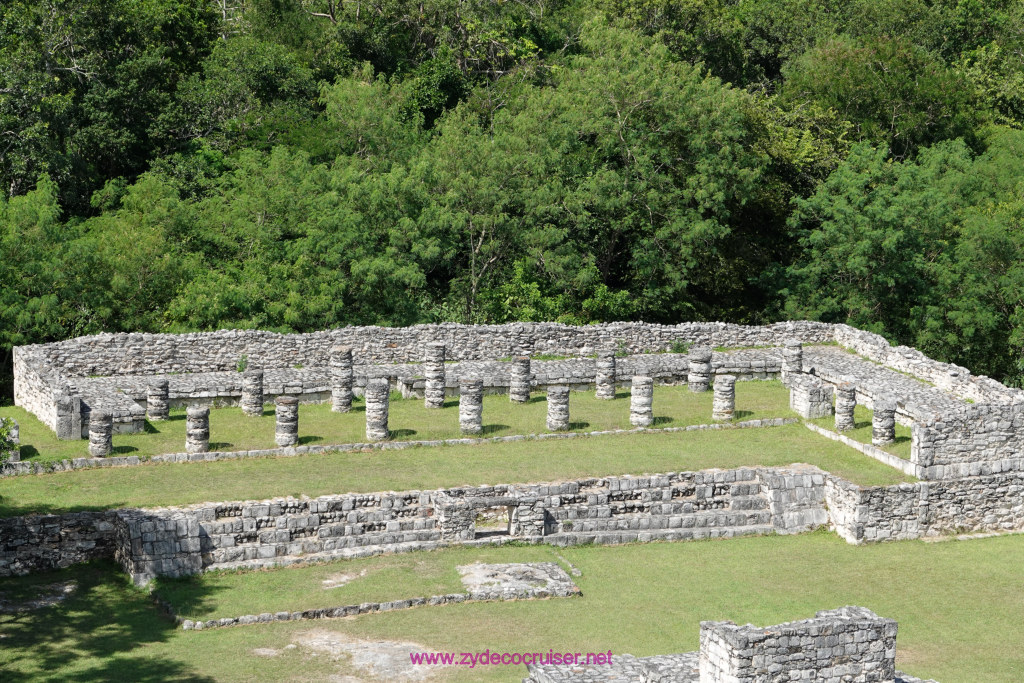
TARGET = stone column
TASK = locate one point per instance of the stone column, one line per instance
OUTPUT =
(558, 408)
(519, 383)
(846, 401)
(471, 405)
(883, 422)
(101, 430)
(377, 393)
(433, 370)
(197, 429)
(341, 379)
(792, 359)
(13, 455)
(700, 369)
(286, 431)
(158, 400)
(604, 378)
(252, 393)
(724, 403)
(641, 399)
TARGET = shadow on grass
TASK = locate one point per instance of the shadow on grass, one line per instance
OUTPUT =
(578, 425)
(542, 398)
(402, 433)
(99, 633)
(28, 452)
(742, 414)
(123, 449)
(309, 439)
(491, 429)
(220, 445)
(660, 420)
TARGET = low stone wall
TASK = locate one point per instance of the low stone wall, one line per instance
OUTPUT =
(677, 506)
(43, 542)
(973, 440)
(836, 646)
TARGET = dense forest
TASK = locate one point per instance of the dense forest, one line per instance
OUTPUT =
(293, 165)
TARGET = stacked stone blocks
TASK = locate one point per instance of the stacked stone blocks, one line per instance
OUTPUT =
(101, 431)
(809, 396)
(558, 409)
(724, 400)
(342, 377)
(641, 401)
(197, 429)
(471, 406)
(604, 379)
(286, 429)
(377, 394)
(252, 393)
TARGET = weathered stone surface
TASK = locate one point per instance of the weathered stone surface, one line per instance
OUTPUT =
(641, 401)
(433, 370)
(883, 422)
(809, 396)
(286, 431)
(197, 429)
(558, 409)
(792, 360)
(724, 401)
(158, 404)
(471, 406)
(252, 393)
(378, 392)
(519, 380)
(846, 403)
(14, 454)
(101, 429)
(604, 379)
(342, 377)
(700, 369)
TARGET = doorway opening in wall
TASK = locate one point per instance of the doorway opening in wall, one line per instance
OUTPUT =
(494, 521)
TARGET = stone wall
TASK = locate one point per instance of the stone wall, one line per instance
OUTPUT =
(846, 645)
(970, 441)
(43, 542)
(677, 506)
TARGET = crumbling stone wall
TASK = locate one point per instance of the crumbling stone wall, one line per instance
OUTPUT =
(846, 645)
(43, 542)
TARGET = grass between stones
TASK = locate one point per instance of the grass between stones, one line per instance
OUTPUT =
(862, 431)
(958, 605)
(427, 468)
(230, 430)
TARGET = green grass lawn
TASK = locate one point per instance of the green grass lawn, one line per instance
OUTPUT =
(424, 468)
(862, 431)
(674, 406)
(958, 604)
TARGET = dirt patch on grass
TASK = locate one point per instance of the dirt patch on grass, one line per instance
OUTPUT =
(338, 580)
(41, 596)
(373, 660)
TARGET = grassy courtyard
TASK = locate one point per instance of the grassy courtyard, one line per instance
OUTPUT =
(862, 431)
(674, 406)
(641, 599)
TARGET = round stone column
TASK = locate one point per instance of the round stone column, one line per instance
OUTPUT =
(519, 382)
(471, 406)
(883, 422)
(197, 429)
(377, 393)
(286, 431)
(433, 370)
(724, 403)
(558, 408)
(846, 402)
(252, 393)
(641, 401)
(101, 431)
(792, 359)
(341, 379)
(699, 375)
(158, 400)
(604, 379)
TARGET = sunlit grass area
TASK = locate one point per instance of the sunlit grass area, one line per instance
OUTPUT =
(643, 599)
(862, 431)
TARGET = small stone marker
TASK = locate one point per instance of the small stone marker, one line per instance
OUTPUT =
(158, 401)
(286, 432)
(197, 429)
(558, 408)
(101, 430)
(641, 400)
(724, 402)
(433, 370)
(883, 422)
(699, 376)
(252, 393)
(341, 379)
(519, 382)
(471, 405)
(377, 393)
(846, 402)
(604, 380)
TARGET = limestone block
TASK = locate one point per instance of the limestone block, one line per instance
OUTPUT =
(604, 380)
(378, 392)
(433, 370)
(699, 371)
(641, 401)
(197, 429)
(471, 405)
(519, 381)
(101, 429)
(158, 404)
(341, 379)
(286, 432)
(558, 408)
(252, 393)
(724, 401)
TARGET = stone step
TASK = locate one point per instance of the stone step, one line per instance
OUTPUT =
(643, 536)
(644, 522)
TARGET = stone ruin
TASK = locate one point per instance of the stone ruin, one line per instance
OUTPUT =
(845, 645)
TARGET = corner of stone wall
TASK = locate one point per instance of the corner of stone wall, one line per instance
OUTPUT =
(796, 498)
(151, 543)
